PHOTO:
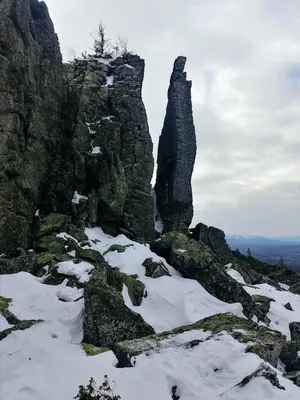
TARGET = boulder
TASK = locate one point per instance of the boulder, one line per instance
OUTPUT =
(155, 269)
(107, 320)
(176, 154)
(262, 371)
(195, 260)
(288, 306)
(289, 356)
(295, 331)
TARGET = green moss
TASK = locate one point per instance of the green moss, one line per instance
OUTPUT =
(135, 288)
(241, 329)
(51, 244)
(22, 325)
(117, 247)
(53, 223)
(91, 350)
(4, 303)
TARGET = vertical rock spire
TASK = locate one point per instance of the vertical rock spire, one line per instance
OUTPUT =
(176, 154)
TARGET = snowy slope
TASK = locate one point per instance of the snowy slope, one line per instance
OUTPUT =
(280, 317)
(46, 362)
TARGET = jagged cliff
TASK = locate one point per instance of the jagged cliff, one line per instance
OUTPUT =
(31, 115)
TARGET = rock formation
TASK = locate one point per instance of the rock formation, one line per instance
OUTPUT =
(31, 109)
(112, 146)
(176, 154)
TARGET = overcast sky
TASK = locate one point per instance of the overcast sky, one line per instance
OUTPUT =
(244, 61)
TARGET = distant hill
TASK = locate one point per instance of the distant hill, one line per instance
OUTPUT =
(269, 250)
(242, 240)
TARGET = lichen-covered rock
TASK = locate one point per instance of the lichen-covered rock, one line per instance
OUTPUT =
(176, 154)
(136, 289)
(107, 320)
(215, 239)
(155, 269)
(117, 247)
(112, 146)
(4, 303)
(295, 331)
(195, 260)
(26, 262)
(263, 304)
(31, 116)
(289, 356)
(262, 371)
(262, 341)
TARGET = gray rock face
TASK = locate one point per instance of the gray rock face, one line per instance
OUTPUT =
(112, 145)
(31, 107)
(176, 154)
(262, 371)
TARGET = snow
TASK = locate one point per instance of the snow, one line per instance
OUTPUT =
(69, 294)
(129, 66)
(47, 361)
(181, 251)
(158, 222)
(77, 197)
(236, 275)
(109, 118)
(80, 270)
(171, 301)
(109, 80)
(280, 317)
(96, 150)
(37, 213)
(284, 286)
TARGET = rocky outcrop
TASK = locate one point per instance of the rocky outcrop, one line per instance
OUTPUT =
(176, 154)
(31, 115)
(260, 340)
(107, 320)
(195, 260)
(112, 145)
(215, 239)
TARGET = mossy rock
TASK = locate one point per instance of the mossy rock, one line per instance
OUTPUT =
(89, 255)
(117, 247)
(136, 290)
(115, 278)
(91, 350)
(268, 343)
(4, 303)
(22, 325)
(107, 320)
(52, 223)
(51, 244)
(155, 269)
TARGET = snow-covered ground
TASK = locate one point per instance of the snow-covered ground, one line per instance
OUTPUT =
(280, 317)
(46, 362)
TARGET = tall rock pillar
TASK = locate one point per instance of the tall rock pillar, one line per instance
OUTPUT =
(176, 154)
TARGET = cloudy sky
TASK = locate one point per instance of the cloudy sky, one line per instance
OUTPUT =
(244, 61)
